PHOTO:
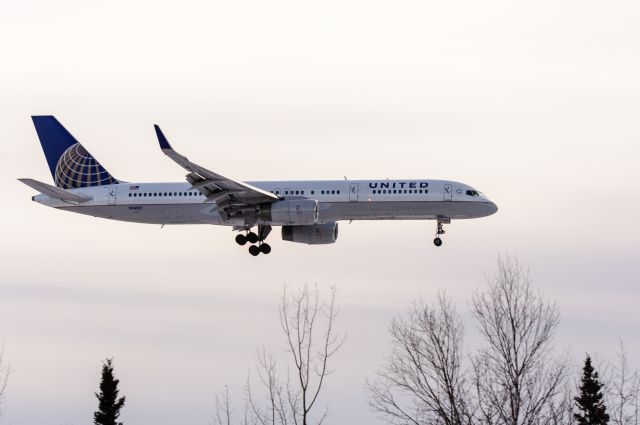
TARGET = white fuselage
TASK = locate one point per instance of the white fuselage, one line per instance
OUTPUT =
(178, 203)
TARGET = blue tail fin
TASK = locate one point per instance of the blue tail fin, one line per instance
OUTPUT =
(70, 164)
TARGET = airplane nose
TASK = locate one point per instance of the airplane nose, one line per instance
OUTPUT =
(492, 208)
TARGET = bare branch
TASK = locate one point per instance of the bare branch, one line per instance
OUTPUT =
(5, 371)
(223, 411)
(623, 391)
(308, 326)
(424, 369)
(516, 380)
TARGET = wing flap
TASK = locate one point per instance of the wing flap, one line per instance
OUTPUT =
(55, 192)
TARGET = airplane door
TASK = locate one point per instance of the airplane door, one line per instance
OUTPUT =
(111, 195)
(448, 192)
(353, 192)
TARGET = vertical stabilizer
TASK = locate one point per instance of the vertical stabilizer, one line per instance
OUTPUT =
(70, 164)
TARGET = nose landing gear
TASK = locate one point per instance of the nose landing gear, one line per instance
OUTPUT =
(440, 230)
(253, 238)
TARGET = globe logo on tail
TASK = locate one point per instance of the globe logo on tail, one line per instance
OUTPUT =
(77, 168)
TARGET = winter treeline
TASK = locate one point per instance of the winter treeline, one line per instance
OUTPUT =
(513, 377)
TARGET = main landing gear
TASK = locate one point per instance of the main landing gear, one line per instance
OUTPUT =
(440, 231)
(253, 238)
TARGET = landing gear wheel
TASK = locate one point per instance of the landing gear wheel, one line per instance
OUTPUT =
(254, 250)
(440, 230)
(241, 239)
(265, 248)
(252, 237)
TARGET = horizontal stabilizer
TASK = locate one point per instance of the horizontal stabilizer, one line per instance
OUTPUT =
(55, 192)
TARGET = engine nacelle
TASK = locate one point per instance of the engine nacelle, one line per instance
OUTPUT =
(295, 212)
(311, 235)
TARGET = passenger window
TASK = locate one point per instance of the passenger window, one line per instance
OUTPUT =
(333, 192)
(302, 192)
(322, 192)
(313, 192)
(338, 192)
(286, 192)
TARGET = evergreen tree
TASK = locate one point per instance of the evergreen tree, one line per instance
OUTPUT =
(591, 408)
(108, 403)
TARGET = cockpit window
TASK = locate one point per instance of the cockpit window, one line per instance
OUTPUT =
(473, 193)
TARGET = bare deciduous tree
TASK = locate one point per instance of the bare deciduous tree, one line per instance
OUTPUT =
(513, 378)
(308, 325)
(516, 379)
(423, 381)
(283, 401)
(622, 391)
(224, 412)
(5, 370)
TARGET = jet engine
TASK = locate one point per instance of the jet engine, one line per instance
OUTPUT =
(311, 235)
(295, 212)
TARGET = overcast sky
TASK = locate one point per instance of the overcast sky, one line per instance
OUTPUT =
(535, 103)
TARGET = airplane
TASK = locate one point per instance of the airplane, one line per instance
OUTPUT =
(308, 212)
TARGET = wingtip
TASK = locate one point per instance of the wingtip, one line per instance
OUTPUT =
(164, 143)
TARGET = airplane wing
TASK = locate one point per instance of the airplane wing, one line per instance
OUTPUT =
(56, 192)
(222, 190)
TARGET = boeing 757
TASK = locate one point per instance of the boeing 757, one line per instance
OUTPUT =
(307, 211)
